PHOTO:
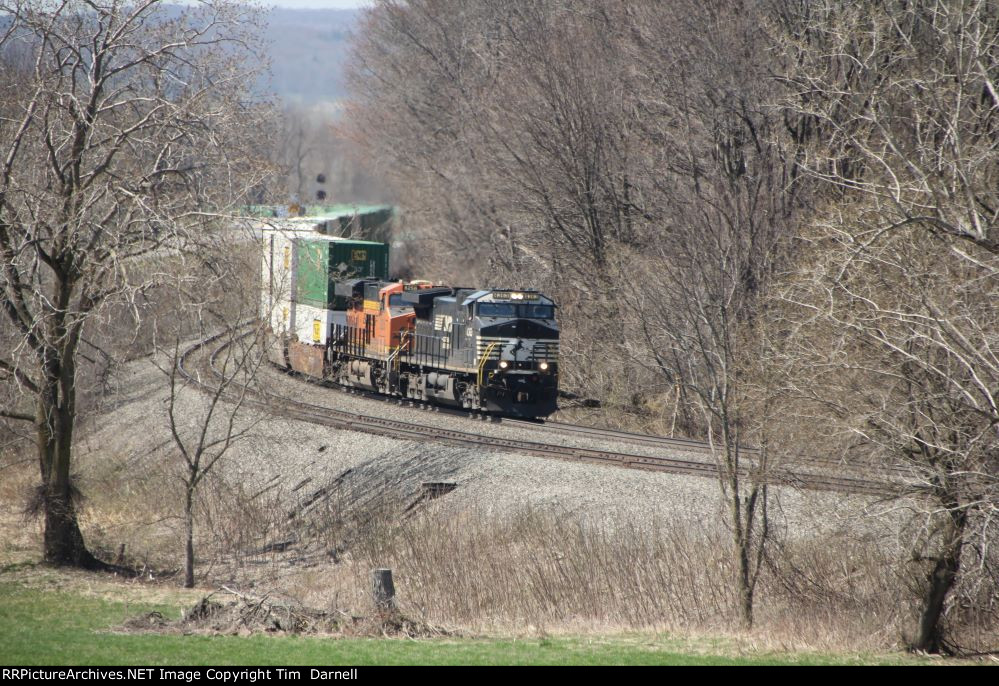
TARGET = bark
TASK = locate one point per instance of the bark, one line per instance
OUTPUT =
(745, 579)
(63, 541)
(941, 581)
(189, 539)
(745, 591)
(743, 514)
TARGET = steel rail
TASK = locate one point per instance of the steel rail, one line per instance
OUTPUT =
(342, 419)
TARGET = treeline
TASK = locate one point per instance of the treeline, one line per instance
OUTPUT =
(770, 222)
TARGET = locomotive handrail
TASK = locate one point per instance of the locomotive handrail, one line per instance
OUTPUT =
(393, 358)
(485, 356)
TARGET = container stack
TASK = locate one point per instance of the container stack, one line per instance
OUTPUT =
(301, 265)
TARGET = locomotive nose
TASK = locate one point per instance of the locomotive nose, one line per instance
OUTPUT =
(517, 350)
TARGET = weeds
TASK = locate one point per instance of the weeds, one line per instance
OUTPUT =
(531, 571)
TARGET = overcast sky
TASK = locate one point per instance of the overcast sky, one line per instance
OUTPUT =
(319, 4)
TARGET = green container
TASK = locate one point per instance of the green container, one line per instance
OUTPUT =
(322, 263)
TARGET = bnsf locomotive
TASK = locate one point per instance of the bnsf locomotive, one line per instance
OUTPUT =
(334, 316)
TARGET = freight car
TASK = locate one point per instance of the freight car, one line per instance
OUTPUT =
(334, 315)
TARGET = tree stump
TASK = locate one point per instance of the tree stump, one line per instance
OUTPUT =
(383, 590)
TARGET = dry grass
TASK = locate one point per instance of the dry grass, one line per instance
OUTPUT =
(20, 536)
(474, 571)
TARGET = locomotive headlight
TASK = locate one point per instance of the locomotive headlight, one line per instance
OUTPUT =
(503, 364)
(543, 366)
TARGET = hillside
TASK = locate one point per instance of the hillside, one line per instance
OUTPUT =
(307, 49)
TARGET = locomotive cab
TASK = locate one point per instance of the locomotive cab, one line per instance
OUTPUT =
(517, 351)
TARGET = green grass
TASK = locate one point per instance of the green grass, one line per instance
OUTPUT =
(57, 627)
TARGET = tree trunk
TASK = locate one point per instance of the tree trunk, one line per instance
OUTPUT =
(941, 581)
(742, 527)
(383, 590)
(63, 540)
(189, 539)
(56, 414)
(745, 587)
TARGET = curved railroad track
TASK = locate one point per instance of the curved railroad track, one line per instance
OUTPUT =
(695, 445)
(198, 365)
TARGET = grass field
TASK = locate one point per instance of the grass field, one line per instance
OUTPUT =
(53, 623)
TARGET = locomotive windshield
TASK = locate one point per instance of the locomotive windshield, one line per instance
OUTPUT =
(497, 310)
(396, 303)
(511, 310)
(537, 311)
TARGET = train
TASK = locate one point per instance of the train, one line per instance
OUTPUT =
(332, 313)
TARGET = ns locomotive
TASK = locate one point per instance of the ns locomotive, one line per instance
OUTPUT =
(480, 349)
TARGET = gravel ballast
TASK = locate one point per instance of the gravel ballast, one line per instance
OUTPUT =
(296, 460)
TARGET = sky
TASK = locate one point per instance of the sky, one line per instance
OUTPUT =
(319, 4)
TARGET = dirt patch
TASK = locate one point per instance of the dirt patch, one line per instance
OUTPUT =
(227, 612)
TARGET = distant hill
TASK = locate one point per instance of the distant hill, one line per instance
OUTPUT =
(308, 49)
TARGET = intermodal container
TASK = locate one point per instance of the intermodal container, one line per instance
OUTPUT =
(322, 262)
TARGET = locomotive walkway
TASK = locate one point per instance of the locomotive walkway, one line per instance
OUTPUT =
(198, 365)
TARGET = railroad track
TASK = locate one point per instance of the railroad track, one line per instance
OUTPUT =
(669, 442)
(202, 371)
(694, 445)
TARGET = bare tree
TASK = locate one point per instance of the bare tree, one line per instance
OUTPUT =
(308, 149)
(618, 154)
(715, 160)
(898, 108)
(896, 345)
(905, 98)
(120, 130)
(206, 424)
(507, 131)
(520, 114)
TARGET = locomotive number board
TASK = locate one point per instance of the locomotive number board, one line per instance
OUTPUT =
(515, 295)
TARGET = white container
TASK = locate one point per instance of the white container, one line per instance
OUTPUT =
(314, 325)
(278, 268)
